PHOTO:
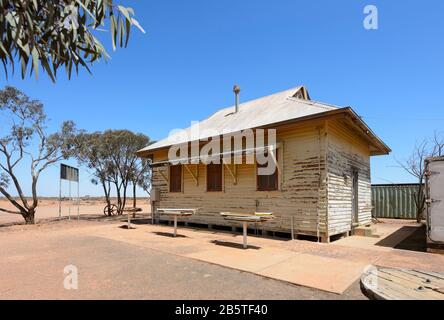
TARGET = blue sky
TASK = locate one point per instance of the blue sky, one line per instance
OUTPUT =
(184, 68)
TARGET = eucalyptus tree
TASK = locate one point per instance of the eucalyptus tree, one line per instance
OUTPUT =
(140, 172)
(60, 33)
(111, 158)
(140, 176)
(23, 139)
(92, 154)
(126, 166)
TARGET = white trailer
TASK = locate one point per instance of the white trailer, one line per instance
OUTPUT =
(434, 172)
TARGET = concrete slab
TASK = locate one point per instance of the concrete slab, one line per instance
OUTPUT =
(390, 232)
(265, 257)
(330, 267)
(327, 274)
(251, 261)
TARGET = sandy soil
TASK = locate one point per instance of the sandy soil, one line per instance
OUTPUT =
(34, 258)
(49, 208)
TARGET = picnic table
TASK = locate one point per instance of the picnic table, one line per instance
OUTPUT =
(130, 210)
(176, 213)
(245, 218)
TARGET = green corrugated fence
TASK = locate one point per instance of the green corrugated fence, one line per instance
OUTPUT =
(394, 201)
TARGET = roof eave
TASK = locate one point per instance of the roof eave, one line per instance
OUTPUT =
(382, 148)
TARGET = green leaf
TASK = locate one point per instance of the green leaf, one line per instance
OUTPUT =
(137, 24)
(113, 30)
(24, 64)
(31, 33)
(86, 9)
(121, 33)
(128, 30)
(35, 62)
(47, 68)
(125, 12)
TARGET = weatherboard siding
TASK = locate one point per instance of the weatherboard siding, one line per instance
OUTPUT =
(302, 161)
(314, 159)
(346, 153)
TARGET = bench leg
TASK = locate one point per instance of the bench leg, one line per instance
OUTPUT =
(129, 223)
(245, 235)
(175, 226)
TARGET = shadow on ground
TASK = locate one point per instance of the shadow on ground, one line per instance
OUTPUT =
(233, 245)
(170, 235)
(413, 239)
(125, 226)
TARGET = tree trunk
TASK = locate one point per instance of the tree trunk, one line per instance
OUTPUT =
(418, 208)
(119, 199)
(29, 216)
(134, 195)
(419, 202)
(107, 191)
(125, 186)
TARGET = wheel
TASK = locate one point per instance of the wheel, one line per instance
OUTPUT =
(110, 210)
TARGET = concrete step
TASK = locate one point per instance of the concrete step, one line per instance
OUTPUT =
(366, 231)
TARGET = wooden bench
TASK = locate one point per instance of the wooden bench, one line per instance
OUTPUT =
(130, 210)
(245, 218)
(176, 213)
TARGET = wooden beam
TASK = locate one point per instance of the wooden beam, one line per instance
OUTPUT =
(273, 156)
(233, 173)
(165, 178)
(195, 176)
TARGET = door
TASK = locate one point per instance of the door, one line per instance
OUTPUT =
(435, 197)
(355, 198)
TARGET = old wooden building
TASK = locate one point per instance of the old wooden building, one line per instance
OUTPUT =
(321, 186)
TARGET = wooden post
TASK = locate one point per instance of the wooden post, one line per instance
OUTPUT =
(69, 206)
(245, 235)
(153, 211)
(129, 221)
(60, 198)
(78, 200)
(175, 225)
(325, 239)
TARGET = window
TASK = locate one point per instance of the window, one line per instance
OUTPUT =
(267, 182)
(176, 178)
(214, 177)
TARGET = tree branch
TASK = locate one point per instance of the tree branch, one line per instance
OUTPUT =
(11, 199)
(9, 211)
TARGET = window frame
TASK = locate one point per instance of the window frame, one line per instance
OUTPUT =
(222, 183)
(180, 176)
(277, 173)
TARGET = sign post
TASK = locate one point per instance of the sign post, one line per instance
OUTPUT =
(71, 174)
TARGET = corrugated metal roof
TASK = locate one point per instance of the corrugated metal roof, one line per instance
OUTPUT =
(278, 107)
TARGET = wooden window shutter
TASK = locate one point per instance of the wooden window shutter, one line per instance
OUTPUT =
(176, 178)
(214, 177)
(267, 182)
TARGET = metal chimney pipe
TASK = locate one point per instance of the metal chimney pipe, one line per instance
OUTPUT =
(236, 90)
